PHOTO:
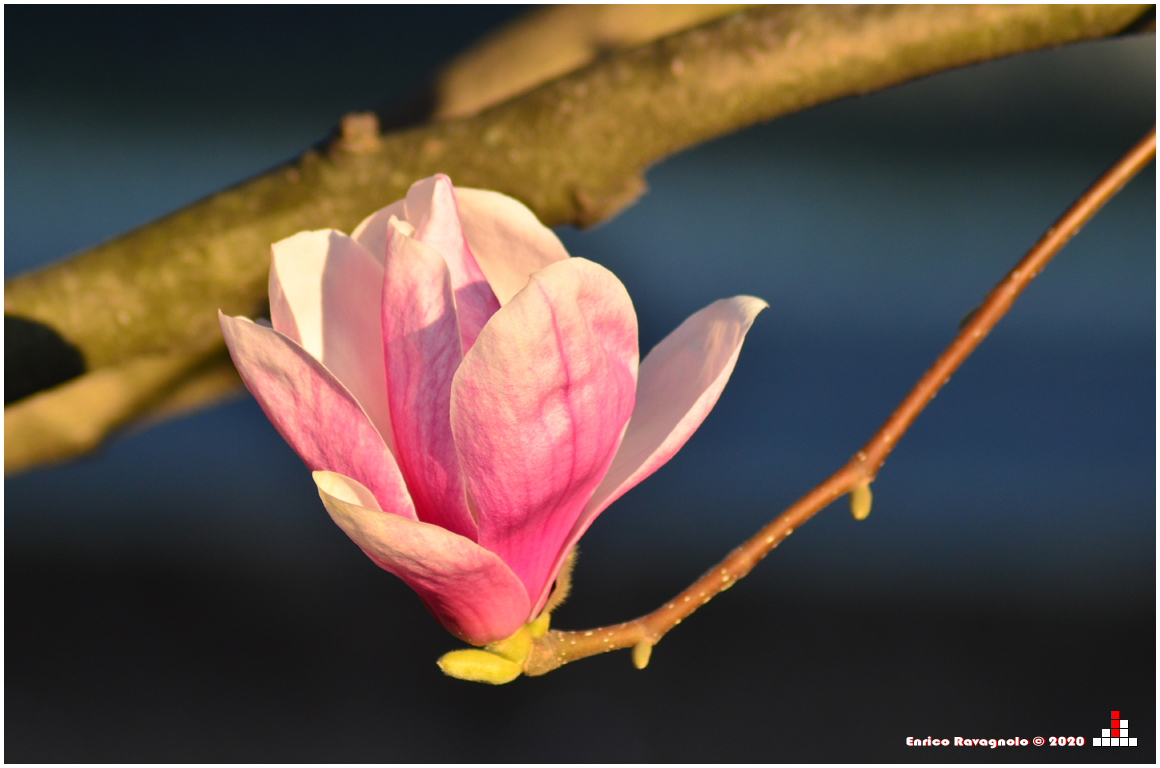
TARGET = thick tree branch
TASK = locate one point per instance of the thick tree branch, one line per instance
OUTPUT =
(573, 150)
(539, 46)
(75, 417)
(550, 42)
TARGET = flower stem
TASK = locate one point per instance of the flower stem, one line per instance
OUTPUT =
(557, 648)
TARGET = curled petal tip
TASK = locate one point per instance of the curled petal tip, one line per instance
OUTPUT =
(748, 307)
(344, 489)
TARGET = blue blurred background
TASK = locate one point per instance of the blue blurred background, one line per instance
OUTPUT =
(182, 596)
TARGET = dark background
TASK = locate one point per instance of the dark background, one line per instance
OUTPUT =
(183, 596)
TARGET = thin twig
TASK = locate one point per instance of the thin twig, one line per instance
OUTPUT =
(557, 648)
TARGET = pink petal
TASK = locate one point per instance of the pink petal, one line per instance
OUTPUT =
(680, 381)
(432, 211)
(296, 297)
(508, 241)
(467, 589)
(422, 345)
(313, 411)
(372, 233)
(538, 408)
(325, 294)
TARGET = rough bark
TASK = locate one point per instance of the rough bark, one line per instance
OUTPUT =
(573, 149)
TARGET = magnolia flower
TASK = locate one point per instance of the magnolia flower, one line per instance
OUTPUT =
(468, 396)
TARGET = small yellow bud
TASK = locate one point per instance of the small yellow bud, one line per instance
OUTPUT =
(515, 648)
(860, 498)
(539, 626)
(479, 666)
(641, 653)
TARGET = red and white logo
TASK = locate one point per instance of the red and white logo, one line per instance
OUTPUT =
(1117, 735)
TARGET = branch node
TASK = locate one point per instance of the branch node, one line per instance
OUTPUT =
(359, 132)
